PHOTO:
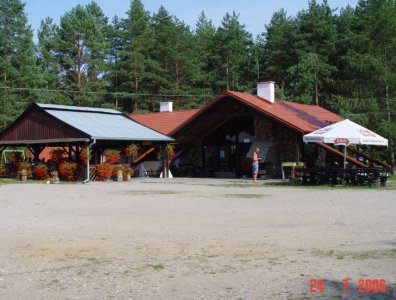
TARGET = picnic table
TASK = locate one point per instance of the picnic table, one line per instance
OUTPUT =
(293, 165)
(336, 175)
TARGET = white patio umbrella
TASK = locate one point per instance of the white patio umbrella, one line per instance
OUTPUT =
(345, 133)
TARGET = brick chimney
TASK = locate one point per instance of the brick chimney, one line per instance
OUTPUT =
(266, 90)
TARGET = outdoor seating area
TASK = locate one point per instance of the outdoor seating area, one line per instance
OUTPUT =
(338, 176)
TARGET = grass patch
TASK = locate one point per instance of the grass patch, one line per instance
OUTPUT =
(243, 196)
(30, 181)
(157, 267)
(359, 255)
(295, 184)
(391, 182)
(15, 181)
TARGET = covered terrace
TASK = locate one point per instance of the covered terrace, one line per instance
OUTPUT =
(72, 128)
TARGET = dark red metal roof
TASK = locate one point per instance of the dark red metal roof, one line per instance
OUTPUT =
(304, 117)
(164, 122)
(301, 117)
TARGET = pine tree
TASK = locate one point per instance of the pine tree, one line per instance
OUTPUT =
(47, 36)
(277, 53)
(315, 45)
(48, 62)
(81, 54)
(234, 55)
(18, 65)
(163, 51)
(134, 69)
(174, 51)
(204, 51)
(115, 46)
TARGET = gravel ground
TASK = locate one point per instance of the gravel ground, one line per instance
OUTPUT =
(193, 239)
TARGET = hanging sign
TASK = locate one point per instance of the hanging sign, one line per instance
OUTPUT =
(341, 142)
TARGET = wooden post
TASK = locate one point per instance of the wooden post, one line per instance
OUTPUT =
(303, 152)
(297, 152)
(36, 150)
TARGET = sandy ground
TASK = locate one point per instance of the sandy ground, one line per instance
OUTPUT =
(193, 239)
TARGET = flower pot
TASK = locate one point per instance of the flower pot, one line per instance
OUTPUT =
(54, 179)
(129, 178)
(22, 175)
(119, 175)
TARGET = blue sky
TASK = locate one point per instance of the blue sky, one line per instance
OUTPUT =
(253, 13)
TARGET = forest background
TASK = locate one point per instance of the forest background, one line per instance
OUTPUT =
(342, 61)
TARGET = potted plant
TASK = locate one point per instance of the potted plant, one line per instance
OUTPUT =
(3, 170)
(57, 156)
(127, 173)
(132, 150)
(67, 170)
(27, 167)
(119, 170)
(14, 159)
(170, 150)
(104, 170)
(85, 155)
(41, 171)
(54, 177)
(112, 156)
(23, 174)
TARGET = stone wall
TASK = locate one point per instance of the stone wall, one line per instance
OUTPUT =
(193, 156)
(282, 143)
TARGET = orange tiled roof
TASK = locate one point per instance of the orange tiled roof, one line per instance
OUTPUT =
(302, 117)
(164, 122)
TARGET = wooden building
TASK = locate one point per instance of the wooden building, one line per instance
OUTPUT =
(70, 127)
(218, 139)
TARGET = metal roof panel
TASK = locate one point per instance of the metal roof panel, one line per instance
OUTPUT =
(78, 108)
(107, 126)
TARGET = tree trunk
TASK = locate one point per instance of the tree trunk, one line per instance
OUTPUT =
(79, 63)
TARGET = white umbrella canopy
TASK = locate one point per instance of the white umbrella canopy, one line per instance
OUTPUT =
(345, 130)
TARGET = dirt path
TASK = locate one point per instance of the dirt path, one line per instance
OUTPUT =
(193, 239)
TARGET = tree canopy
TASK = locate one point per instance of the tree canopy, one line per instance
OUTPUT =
(342, 60)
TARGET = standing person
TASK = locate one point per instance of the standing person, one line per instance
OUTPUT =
(255, 165)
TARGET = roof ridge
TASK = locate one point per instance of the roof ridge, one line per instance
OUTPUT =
(164, 112)
(78, 108)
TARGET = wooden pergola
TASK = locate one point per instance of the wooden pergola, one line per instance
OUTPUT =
(71, 128)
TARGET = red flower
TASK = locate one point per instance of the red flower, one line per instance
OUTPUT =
(85, 155)
(57, 156)
(41, 171)
(67, 170)
(27, 167)
(112, 156)
(105, 170)
(3, 170)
